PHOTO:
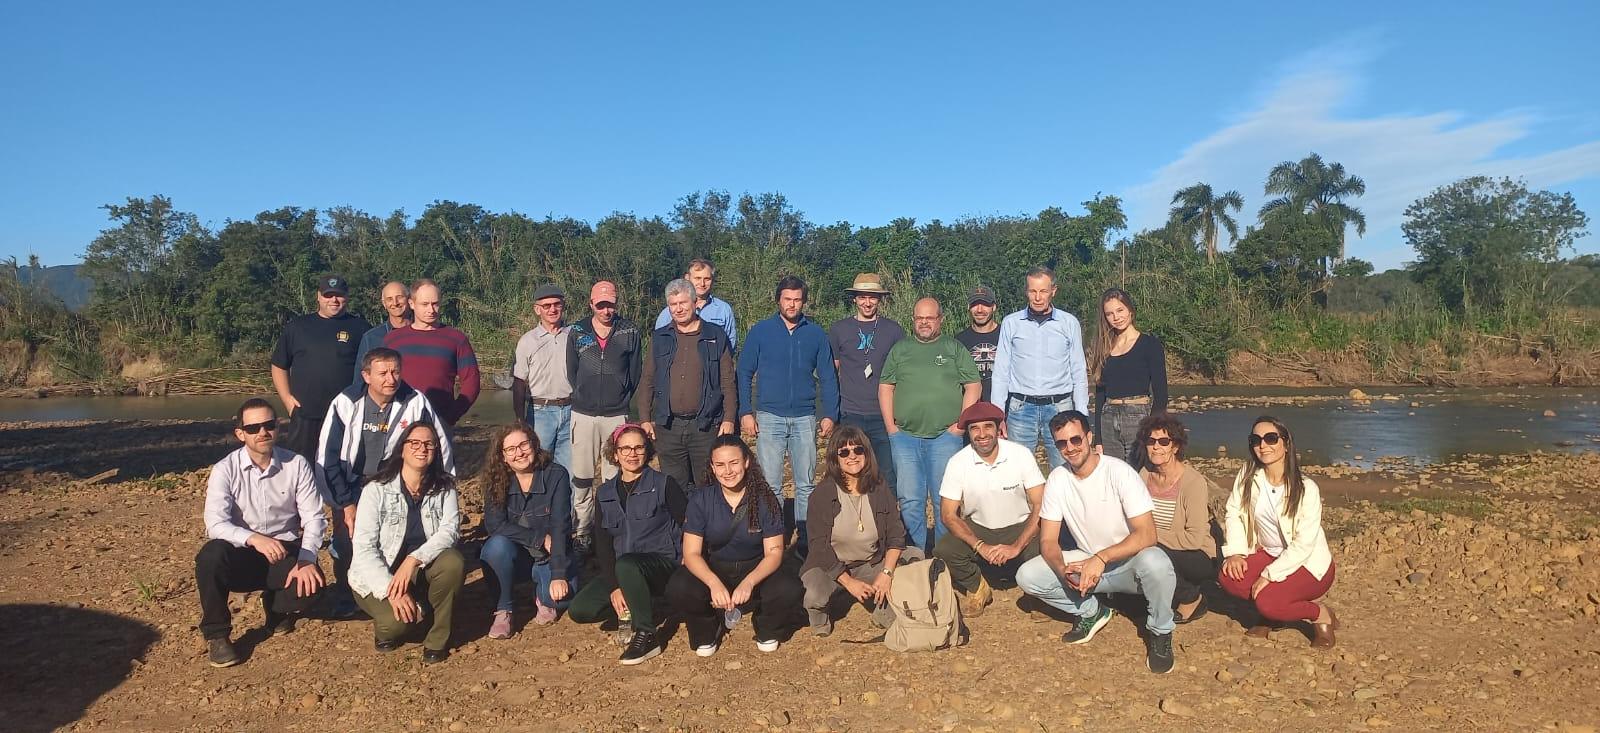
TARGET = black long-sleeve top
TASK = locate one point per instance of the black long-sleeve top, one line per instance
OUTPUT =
(1141, 371)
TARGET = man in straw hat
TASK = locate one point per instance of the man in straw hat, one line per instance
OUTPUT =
(861, 344)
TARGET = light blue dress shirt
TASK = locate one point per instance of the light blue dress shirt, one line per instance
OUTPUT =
(1041, 359)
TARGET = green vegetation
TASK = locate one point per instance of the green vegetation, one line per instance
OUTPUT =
(1472, 507)
(1488, 272)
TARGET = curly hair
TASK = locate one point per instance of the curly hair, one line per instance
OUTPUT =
(609, 450)
(495, 476)
(1175, 430)
(754, 483)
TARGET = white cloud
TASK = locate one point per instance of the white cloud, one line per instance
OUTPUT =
(1401, 157)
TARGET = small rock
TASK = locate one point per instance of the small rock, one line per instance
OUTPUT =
(871, 697)
(1175, 707)
(1433, 711)
(310, 700)
(1358, 395)
(1549, 413)
(564, 657)
(457, 727)
(730, 666)
(1365, 693)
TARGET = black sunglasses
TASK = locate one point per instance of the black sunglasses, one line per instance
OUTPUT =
(1074, 441)
(1163, 442)
(1271, 438)
(851, 450)
(253, 428)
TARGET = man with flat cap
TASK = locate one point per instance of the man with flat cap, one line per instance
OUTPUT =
(990, 504)
(861, 345)
(313, 361)
(541, 391)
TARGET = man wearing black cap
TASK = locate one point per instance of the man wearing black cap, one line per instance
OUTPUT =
(989, 501)
(313, 361)
(983, 336)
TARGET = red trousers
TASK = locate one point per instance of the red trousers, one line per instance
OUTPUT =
(1287, 600)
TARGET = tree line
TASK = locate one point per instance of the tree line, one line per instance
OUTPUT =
(1489, 259)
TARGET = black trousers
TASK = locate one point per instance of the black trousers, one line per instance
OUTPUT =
(685, 450)
(1194, 568)
(301, 435)
(221, 568)
(776, 601)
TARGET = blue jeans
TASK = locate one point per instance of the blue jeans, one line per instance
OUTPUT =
(553, 425)
(919, 468)
(878, 436)
(503, 560)
(796, 436)
(1148, 573)
(1027, 423)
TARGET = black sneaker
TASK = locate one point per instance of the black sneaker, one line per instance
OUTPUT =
(385, 646)
(281, 625)
(1158, 653)
(1088, 626)
(435, 656)
(221, 653)
(643, 646)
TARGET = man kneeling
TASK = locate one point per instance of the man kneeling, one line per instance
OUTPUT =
(264, 517)
(1104, 503)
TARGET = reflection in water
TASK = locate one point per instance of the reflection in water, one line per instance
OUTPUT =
(1447, 423)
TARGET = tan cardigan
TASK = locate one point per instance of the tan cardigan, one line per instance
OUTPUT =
(1305, 544)
(1191, 521)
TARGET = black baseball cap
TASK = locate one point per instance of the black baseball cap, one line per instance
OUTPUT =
(981, 294)
(332, 284)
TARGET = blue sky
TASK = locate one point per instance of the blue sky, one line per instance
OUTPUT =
(860, 112)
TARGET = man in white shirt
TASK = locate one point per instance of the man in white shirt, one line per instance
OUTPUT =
(263, 514)
(1105, 504)
(989, 501)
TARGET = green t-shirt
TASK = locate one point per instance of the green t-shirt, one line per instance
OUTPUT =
(928, 380)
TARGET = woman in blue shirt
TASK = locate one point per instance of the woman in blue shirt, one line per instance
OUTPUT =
(527, 512)
(733, 554)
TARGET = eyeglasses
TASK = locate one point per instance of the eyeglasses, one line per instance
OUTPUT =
(1074, 441)
(254, 428)
(420, 446)
(1163, 442)
(523, 447)
(851, 450)
(1271, 438)
(630, 449)
(927, 319)
(549, 306)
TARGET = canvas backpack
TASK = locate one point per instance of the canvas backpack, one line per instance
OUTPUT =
(926, 613)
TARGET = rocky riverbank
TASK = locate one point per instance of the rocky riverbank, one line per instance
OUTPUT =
(1468, 592)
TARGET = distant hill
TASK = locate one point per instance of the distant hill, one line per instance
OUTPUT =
(61, 281)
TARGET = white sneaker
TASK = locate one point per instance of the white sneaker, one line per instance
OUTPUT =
(767, 646)
(706, 650)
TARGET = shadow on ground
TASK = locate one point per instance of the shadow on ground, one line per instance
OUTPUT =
(56, 661)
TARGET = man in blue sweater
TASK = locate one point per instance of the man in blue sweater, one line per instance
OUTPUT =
(789, 357)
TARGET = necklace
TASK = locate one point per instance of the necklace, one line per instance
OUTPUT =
(855, 506)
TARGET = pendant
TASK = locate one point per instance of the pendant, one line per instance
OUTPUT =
(860, 527)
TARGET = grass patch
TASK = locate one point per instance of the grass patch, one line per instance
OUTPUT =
(1462, 506)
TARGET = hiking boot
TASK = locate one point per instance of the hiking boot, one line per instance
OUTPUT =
(1088, 626)
(435, 656)
(642, 647)
(501, 628)
(972, 604)
(545, 614)
(221, 653)
(1158, 653)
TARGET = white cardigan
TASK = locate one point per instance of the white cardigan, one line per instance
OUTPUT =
(1305, 545)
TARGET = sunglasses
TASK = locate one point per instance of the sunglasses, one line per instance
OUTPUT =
(270, 426)
(851, 450)
(1163, 442)
(1074, 441)
(1271, 438)
(605, 306)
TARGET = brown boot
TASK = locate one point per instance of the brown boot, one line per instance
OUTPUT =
(972, 604)
(1322, 634)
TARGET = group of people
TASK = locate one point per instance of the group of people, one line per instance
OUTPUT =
(706, 529)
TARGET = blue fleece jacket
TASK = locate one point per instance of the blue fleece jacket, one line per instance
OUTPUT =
(790, 365)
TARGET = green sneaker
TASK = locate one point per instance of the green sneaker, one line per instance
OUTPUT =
(1088, 626)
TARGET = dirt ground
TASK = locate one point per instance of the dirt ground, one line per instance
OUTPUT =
(1468, 594)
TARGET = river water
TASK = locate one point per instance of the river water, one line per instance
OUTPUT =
(1328, 427)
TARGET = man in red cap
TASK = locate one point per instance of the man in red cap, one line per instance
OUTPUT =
(990, 505)
(603, 362)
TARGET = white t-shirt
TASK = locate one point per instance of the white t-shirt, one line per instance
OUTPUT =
(992, 496)
(1096, 509)
(1267, 503)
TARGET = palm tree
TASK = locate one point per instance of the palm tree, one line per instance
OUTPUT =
(1197, 207)
(1315, 188)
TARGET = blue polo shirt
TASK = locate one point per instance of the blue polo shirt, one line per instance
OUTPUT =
(709, 516)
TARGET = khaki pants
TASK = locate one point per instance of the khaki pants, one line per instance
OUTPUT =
(589, 435)
(440, 583)
(820, 588)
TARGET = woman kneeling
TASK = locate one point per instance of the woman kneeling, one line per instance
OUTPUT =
(1277, 553)
(733, 537)
(527, 512)
(404, 567)
(857, 536)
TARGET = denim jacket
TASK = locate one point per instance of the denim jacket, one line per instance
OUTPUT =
(381, 515)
